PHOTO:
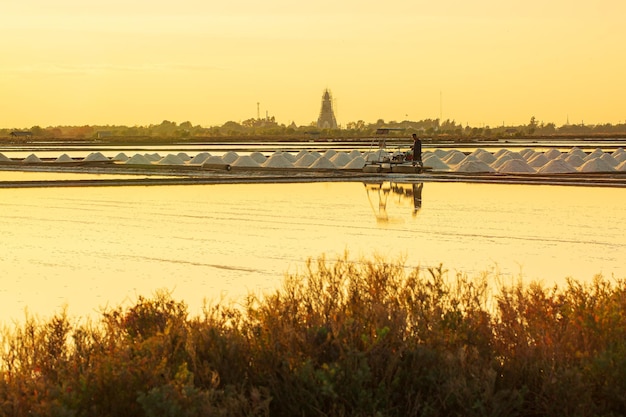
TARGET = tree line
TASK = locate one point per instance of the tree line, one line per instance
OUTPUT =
(268, 127)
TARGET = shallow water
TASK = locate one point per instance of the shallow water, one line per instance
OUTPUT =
(92, 247)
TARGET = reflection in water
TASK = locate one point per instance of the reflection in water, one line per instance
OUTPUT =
(381, 193)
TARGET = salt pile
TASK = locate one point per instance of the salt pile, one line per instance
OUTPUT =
(502, 159)
(199, 158)
(120, 157)
(440, 153)
(258, 156)
(31, 159)
(556, 166)
(574, 160)
(4, 158)
(354, 153)
(596, 165)
(322, 163)
(277, 160)
(305, 160)
(171, 159)
(620, 157)
(527, 153)
(213, 160)
(454, 157)
(435, 163)
(138, 159)
(621, 167)
(609, 159)
(245, 161)
(473, 165)
(595, 154)
(552, 153)
(183, 156)
(516, 166)
(230, 157)
(484, 155)
(357, 162)
(539, 160)
(340, 159)
(152, 157)
(96, 157)
(577, 151)
(329, 153)
(64, 158)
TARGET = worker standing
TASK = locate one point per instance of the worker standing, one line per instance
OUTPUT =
(417, 150)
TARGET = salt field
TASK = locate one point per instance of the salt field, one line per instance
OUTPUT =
(89, 247)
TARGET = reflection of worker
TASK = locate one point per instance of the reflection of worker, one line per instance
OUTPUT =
(417, 197)
(417, 150)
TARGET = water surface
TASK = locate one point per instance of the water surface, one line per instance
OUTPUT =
(92, 247)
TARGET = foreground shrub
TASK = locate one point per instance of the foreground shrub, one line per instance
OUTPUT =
(340, 338)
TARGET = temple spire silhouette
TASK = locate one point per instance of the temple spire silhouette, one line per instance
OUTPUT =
(327, 116)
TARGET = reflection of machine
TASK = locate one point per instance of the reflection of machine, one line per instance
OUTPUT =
(402, 194)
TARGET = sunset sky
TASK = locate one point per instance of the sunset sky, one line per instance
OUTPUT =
(481, 62)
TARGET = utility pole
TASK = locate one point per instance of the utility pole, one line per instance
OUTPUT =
(258, 112)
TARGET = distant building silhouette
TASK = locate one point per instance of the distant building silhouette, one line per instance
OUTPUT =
(327, 117)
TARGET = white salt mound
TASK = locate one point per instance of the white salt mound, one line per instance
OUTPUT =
(527, 153)
(171, 159)
(357, 162)
(620, 157)
(556, 166)
(305, 160)
(440, 153)
(31, 159)
(64, 158)
(277, 160)
(574, 160)
(199, 158)
(153, 157)
(454, 157)
(340, 159)
(596, 165)
(501, 152)
(578, 152)
(502, 159)
(245, 161)
(184, 156)
(213, 160)
(552, 153)
(516, 166)
(354, 153)
(376, 156)
(4, 158)
(609, 159)
(230, 157)
(322, 163)
(621, 167)
(434, 162)
(138, 159)
(617, 152)
(121, 157)
(96, 157)
(329, 153)
(539, 160)
(258, 156)
(473, 165)
(595, 154)
(484, 155)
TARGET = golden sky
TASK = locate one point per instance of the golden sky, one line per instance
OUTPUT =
(482, 62)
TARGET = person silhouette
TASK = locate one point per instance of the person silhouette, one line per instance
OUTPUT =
(417, 150)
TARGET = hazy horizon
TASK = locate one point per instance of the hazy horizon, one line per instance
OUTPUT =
(484, 63)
